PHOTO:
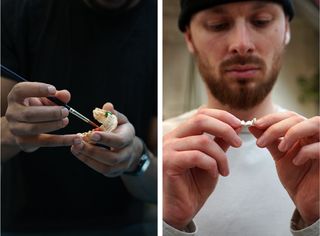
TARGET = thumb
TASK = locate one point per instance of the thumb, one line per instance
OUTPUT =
(121, 118)
(108, 107)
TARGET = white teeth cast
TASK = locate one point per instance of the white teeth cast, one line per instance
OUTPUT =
(249, 122)
(108, 120)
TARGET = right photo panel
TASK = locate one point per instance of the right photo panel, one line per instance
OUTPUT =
(241, 117)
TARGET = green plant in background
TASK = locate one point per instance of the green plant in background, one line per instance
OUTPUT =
(309, 89)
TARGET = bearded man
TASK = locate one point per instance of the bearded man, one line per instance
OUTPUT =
(238, 46)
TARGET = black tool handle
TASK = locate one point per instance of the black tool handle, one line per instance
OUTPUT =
(20, 78)
(58, 102)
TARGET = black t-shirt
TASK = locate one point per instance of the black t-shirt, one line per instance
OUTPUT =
(98, 57)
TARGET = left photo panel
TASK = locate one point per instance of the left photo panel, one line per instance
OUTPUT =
(79, 117)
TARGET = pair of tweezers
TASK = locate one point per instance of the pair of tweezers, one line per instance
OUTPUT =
(52, 99)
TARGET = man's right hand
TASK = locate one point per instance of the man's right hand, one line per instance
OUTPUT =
(30, 115)
(193, 157)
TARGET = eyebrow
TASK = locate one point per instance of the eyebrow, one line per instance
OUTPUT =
(222, 9)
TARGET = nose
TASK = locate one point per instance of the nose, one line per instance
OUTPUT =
(241, 41)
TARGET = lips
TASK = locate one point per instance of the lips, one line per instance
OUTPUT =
(242, 71)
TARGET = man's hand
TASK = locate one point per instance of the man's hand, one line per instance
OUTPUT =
(193, 157)
(124, 148)
(293, 141)
(30, 116)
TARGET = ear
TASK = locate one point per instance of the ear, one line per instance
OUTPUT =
(288, 37)
(188, 39)
(288, 33)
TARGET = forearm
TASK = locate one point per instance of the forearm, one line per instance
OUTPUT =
(9, 147)
(144, 186)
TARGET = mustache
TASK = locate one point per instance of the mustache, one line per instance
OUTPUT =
(242, 60)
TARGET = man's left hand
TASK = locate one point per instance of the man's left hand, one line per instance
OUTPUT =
(293, 142)
(121, 152)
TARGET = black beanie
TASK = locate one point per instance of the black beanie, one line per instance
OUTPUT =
(190, 7)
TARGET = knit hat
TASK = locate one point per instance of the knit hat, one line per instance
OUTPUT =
(190, 7)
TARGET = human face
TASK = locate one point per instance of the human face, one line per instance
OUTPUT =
(239, 48)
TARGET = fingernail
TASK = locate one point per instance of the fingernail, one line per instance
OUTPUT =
(64, 112)
(77, 141)
(295, 161)
(95, 137)
(65, 121)
(51, 89)
(261, 142)
(238, 142)
(282, 146)
(79, 146)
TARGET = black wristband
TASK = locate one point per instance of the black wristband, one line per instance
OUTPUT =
(144, 163)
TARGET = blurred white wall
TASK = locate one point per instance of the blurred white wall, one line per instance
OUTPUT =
(183, 89)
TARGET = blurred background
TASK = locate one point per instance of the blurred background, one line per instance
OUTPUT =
(297, 87)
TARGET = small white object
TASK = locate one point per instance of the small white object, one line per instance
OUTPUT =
(249, 122)
(108, 120)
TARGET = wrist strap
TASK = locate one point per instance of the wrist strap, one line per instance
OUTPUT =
(144, 163)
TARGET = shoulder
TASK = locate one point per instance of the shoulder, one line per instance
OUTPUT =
(174, 122)
(22, 26)
(20, 16)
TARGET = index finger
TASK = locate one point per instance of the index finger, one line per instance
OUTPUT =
(304, 129)
(53, 140)
(30, 89)
(215, 122)
(271, 119)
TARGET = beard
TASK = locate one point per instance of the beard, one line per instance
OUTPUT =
(241, 96)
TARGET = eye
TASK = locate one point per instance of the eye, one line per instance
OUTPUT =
(260, 23)
(217, 27)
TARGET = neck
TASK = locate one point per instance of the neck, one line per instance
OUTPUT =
(262, 109)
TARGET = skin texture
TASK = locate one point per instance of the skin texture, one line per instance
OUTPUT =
(293, 142)
(245, 64)
(29, 117)
(239, 48)
(122, 154)
(192, 162)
